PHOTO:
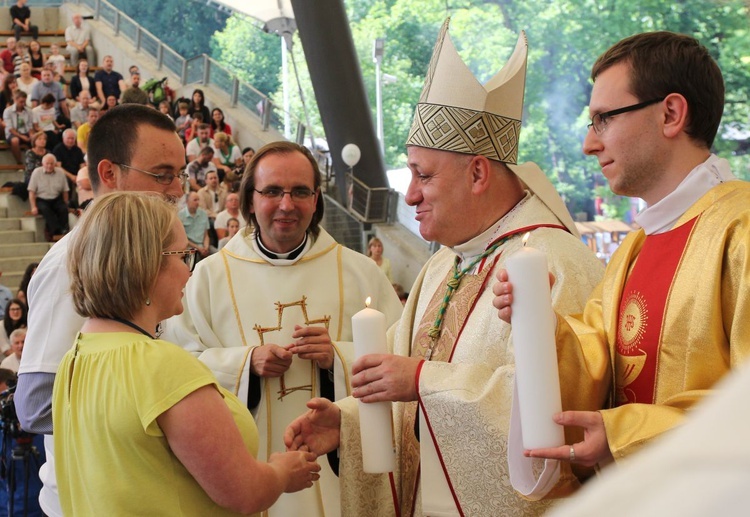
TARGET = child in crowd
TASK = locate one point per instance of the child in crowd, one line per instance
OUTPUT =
(22, 56)
(57, 59)
(192, 131)
(44, 118)
(164, 108)
(184, 120)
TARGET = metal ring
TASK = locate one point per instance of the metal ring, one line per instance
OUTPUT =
(572, 454)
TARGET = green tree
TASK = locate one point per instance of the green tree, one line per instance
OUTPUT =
(565, 37)
(253, 55)
(186, 27)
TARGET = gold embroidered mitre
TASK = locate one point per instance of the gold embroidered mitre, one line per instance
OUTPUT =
(456, 113)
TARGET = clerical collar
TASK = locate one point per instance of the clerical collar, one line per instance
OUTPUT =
(472, 248)
(290, 256)
(662, 215)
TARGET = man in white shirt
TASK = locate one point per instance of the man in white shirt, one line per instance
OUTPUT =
(48, 196)
(232, 210)
(201, 141)
(78, 38)
(19, 125)
(79, 114)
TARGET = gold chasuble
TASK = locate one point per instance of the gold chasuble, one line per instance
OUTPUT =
(656, 343)
(459, 464)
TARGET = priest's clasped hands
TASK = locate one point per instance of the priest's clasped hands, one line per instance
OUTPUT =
(312, 343)
(594, 449)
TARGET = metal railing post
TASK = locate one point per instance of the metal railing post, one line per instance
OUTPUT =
(265, 116)
(97, 9)
(159, 55)
(183, 75)
(117, 23)
(235, 92)
(137, 38)
(206, 69)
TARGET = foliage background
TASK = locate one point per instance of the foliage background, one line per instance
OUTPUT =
(565, 37)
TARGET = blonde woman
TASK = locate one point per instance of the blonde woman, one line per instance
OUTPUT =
(141, 426)
(228, 155)
(25, 81)
(375, 252)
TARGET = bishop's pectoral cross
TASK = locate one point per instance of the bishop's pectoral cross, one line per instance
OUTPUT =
(302, 304)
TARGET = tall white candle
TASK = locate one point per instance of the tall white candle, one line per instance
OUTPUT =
(375, 418)
(537, 377)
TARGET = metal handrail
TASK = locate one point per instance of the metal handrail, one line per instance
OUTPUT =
(201, 69)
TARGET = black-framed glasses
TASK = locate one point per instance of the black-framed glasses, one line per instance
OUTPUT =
(600, 120)
(188, 256)
(297, 193)
(164, 178)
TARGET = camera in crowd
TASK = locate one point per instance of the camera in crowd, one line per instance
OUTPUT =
(9, 423)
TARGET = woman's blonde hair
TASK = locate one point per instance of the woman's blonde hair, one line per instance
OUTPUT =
(371, 243)
(221, 137)
(116, 251)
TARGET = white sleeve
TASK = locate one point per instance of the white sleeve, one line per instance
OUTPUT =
(53, 322)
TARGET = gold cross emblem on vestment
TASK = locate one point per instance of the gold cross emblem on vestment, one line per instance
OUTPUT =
(302, 304)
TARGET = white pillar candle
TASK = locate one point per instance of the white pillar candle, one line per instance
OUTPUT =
(537, 377)
(375, 418)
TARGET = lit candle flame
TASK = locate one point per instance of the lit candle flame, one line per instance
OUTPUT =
(526, 238)
(367, 302)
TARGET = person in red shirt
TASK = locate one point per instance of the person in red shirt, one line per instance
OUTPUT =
(8, 54)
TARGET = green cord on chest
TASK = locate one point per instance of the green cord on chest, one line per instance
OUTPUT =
(451, 287)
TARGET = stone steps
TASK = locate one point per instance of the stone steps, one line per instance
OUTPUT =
(17, 236)
(21, 236)
(28, 249)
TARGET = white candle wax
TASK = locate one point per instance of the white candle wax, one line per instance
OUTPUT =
(537, 377)
(375, 418)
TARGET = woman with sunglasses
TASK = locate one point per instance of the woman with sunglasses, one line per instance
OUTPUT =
(137, 415)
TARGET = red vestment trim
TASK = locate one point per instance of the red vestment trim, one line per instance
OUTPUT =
(394, 494)
(641, 316)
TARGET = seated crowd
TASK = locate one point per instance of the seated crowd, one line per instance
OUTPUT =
(45, 112)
